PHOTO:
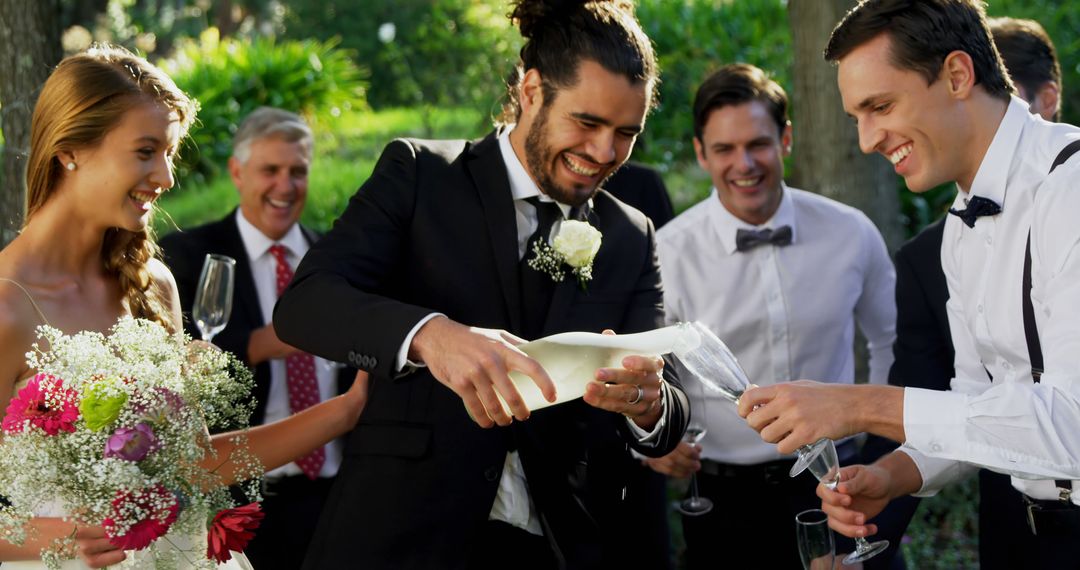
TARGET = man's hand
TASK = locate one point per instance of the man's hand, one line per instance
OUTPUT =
(633, 390)
(681, 463)
(798, 413)
(475, 364)
(863, 492)
(94, 548)
(264, 344)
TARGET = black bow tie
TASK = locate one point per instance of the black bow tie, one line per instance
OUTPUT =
(745, 240)
(977, 206)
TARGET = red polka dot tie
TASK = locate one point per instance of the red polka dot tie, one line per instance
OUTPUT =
(300, 372)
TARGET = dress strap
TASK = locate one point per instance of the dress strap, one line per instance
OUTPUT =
(28, 296)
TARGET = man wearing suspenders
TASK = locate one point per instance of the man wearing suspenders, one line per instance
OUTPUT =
(928, 91)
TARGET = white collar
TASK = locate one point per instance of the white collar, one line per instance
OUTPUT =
(727, 225)
(521, 184)
(992, 177)
(257, 244)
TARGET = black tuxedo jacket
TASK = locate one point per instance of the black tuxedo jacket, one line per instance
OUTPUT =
(433, 229)
(923, 354)
(643, 188)
(185, 251)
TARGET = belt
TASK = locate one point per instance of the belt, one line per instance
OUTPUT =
(771, 471)
(293, 483)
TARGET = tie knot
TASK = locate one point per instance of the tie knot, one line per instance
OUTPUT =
(745, 240)
(977, 207)
(278, 251)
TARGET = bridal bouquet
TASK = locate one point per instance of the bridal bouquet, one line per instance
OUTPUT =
(112, 431)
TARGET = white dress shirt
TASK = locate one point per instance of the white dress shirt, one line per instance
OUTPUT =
(263, 272)
(1010, 425)
(787, 312)
(513, 504)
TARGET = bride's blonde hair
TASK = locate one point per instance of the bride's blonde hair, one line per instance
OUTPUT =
(83, 99)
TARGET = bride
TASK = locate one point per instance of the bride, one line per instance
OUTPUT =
(105, 131)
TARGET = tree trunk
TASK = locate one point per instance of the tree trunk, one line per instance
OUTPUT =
(826, 155)
(29, 49)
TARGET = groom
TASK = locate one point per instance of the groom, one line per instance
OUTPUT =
(438, 239)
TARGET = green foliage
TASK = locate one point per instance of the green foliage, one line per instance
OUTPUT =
(344, 157)
(230, 78)
(694, 37)
(945, 531)
(442, 52)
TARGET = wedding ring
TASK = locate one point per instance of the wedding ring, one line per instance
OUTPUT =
(638, 397)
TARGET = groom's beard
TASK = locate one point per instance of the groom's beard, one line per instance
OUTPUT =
(542, 160)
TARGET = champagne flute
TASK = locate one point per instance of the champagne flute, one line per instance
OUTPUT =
(213, 297)
(816, 542)
(710, 360)
(826, 467)
(712, 363)
(694, 505)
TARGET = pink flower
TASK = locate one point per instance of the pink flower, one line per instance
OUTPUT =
(132, 444)
(157, 506)
(231, 530)
(45, 404)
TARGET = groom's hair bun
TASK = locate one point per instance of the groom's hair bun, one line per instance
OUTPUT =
(559, 34)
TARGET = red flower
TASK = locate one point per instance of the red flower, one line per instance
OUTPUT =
(231, 530)
(46, 404)
(156, 505)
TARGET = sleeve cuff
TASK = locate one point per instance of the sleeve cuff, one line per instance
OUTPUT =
(402, 364)
(650, 438)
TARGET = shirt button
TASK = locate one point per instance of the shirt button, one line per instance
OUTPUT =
(979, 308)
(989, 240)
(936, 447)
(1006, 365)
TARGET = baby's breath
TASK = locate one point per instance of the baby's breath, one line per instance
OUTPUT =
(173, 386)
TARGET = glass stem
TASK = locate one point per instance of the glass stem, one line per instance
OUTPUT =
(861, 545)
(693, 488)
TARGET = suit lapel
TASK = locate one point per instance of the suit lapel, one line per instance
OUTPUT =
(244, 295)
(488, 172)
(563, 296)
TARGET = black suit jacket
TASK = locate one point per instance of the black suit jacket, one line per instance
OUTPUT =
(433, 229)
(185, 251)
(643, 188)
(923, 354)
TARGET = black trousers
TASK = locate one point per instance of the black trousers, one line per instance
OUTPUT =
(506, 546)
(752, 523)
(292, 506)
(1005, 539)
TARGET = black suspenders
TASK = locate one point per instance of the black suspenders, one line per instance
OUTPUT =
(1031, 331)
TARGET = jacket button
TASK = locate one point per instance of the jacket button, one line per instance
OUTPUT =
(491, 473)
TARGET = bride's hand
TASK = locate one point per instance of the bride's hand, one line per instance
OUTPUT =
(356, 397)
(94, 548)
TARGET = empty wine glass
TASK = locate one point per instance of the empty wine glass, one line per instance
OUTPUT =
(816, 542)
(213, 297)
(710, 360)
(694, 505)
(826, 467)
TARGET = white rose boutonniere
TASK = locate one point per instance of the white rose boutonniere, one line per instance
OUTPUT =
(575, 246)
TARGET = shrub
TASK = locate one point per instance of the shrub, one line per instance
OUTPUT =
(230, 78)
(439, 52)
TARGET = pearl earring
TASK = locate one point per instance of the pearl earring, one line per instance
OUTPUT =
(71, 166)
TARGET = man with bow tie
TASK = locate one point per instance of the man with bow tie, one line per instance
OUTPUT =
(782, 276)
(928, 91)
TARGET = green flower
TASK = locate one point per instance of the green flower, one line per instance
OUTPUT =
(101, 404)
